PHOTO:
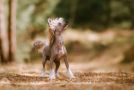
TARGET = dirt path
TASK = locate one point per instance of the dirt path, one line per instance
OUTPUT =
(27, 77)
(89, 77)
(86, 81)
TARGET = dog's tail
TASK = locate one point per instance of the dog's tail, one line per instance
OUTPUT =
(38, 45)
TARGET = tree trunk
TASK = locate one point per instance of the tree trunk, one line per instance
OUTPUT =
(3, 36)
(74, 4)
(12, 29)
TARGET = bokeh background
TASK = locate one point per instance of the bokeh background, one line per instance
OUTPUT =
(100, 35)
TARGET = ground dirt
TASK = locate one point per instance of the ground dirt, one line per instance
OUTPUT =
(27, 77)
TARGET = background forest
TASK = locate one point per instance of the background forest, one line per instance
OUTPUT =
(99, 30)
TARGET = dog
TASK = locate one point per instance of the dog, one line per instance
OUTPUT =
(55, 50)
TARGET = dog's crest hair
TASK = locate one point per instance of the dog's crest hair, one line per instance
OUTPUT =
(53, 23)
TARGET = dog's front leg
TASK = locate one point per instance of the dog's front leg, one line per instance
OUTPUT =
(57, 63)
(69, 72)
(52, 73)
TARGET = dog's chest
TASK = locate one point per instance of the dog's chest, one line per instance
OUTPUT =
(59, 48)
(59, 45)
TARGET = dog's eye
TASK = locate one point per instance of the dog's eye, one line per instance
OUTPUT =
(59, 24)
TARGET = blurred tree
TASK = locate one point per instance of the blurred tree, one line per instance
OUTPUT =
(74, 6)
(130, 5)
(3, 35)
(12, 29)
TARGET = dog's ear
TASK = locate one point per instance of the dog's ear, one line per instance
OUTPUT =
(49, 21)
(65, 26)
(50, 24)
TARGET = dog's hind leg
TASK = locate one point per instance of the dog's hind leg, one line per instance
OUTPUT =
(43, 73)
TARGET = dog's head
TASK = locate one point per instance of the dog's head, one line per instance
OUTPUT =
(57, 25)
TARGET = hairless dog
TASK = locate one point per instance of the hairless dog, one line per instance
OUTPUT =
(55, 50)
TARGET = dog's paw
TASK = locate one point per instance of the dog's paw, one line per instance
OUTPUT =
(70, 74)
(52, 75)
(43, 74)
(57, 74)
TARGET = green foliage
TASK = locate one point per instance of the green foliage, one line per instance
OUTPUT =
(97, 14)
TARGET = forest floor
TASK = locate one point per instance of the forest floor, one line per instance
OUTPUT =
(27, 77)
